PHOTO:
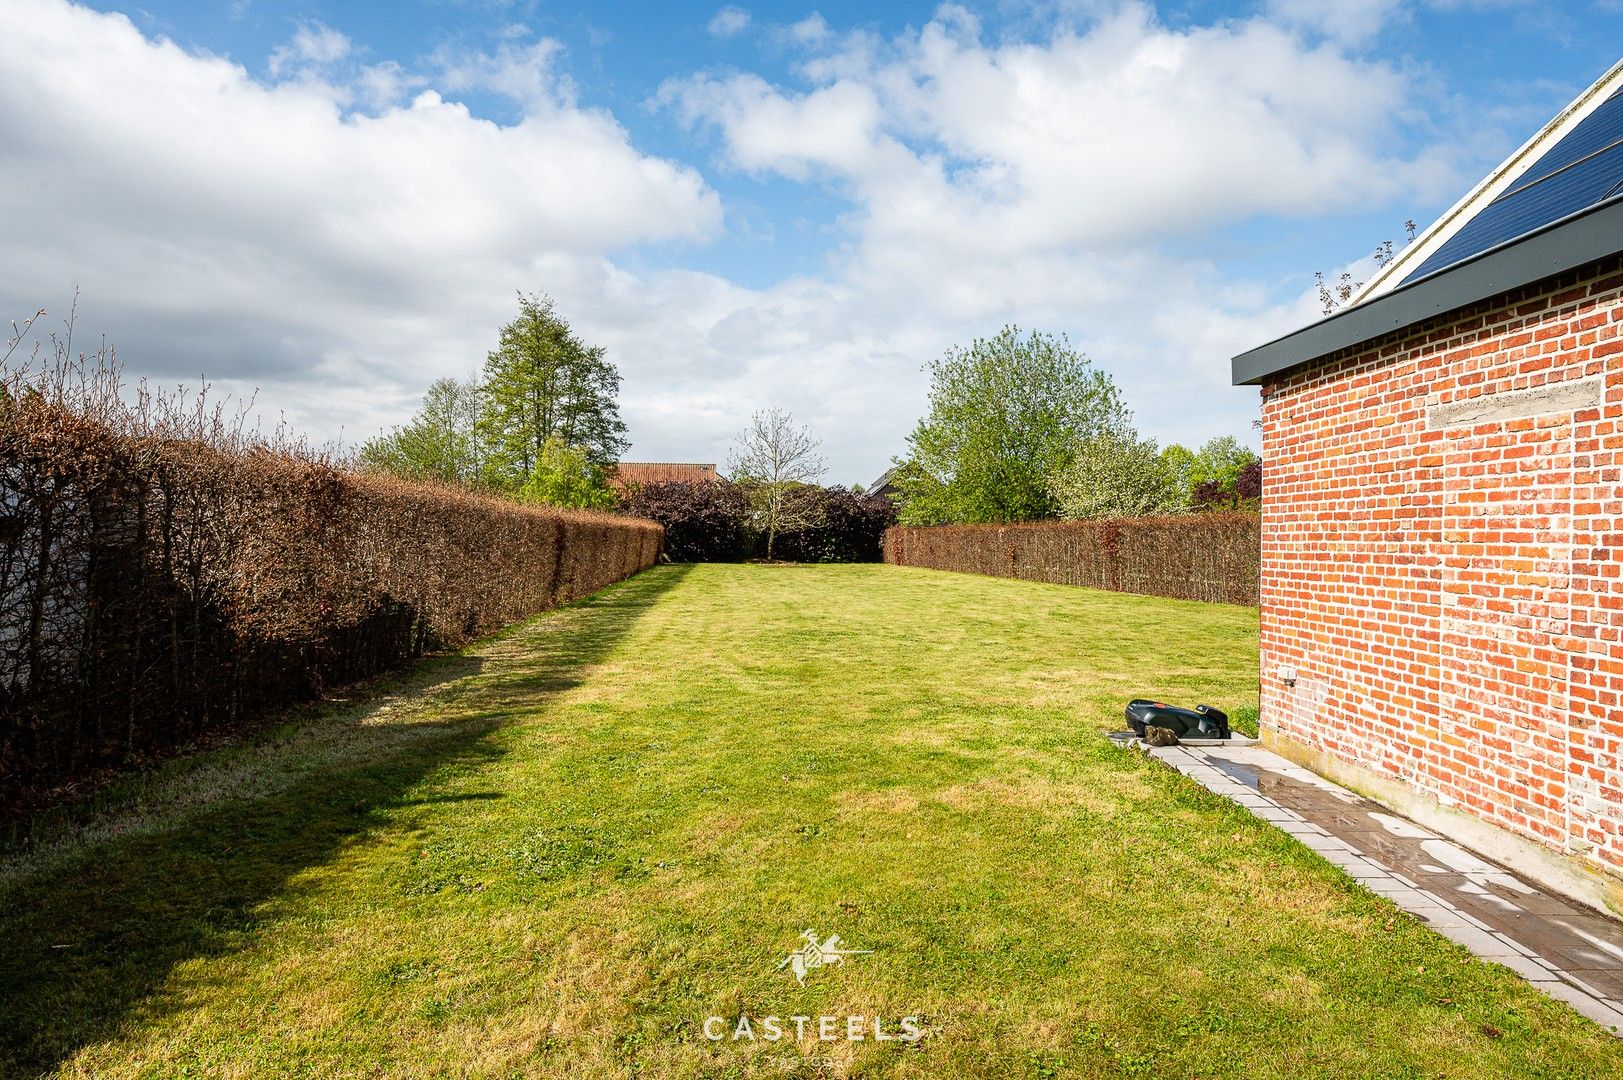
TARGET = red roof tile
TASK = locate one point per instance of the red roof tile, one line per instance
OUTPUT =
(627, 473)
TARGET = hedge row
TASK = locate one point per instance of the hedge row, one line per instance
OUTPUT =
(153, 587)
(1211, 557)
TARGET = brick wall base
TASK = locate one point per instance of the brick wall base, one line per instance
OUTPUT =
(1577, 879)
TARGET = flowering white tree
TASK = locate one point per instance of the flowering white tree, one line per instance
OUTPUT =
(1116, 474)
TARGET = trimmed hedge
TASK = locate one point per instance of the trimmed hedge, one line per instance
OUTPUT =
(153, 586)
(1211, 557)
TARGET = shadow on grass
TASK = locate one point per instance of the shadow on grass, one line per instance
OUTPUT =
(88, 946)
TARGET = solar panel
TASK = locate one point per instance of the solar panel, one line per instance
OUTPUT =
(1585, 167)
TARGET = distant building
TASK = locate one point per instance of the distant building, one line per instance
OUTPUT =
(630, 474)
(885, 485)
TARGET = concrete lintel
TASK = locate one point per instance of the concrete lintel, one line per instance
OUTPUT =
(1507, 405)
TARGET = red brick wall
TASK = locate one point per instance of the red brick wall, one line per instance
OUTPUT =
(1449, 589)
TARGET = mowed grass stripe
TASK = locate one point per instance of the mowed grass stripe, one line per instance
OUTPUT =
(559, 853)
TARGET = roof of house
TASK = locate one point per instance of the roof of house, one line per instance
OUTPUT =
(625, 473)
(883, 482)
(1551, 206)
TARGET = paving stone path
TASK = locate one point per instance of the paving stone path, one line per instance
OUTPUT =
(1567, 950)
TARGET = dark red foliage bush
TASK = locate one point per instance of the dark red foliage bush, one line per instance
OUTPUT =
(1209, 495)
(1248, 484)
(704, 521)
(838, 526)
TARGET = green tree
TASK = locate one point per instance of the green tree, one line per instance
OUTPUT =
(1220, 461)
(1179, 462)
(1116, 474)
(438, 443)
(565, 476)
(1006, 415)
(543, 382)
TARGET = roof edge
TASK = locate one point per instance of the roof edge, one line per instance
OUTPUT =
(1490, 187)
(1593, 233)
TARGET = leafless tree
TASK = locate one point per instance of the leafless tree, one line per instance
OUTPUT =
(771, 458)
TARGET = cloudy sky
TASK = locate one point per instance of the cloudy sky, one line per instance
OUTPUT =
(333, 203)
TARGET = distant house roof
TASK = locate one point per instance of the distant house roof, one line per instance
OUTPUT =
(1551, 206)
(883, 485)
(627, 473)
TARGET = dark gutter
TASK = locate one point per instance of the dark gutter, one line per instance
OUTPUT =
(1593, 233)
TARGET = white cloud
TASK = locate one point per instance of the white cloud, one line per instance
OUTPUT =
(1353, 21)
(1357, 22)
(729, 21)
(313, 46)
(344, 235)
(378, 86)
(262, 235)
(812, 30)
(1125, 134)
(1051, 183)
(526, 74)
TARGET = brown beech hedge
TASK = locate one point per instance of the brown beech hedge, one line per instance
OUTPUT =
(161, 575)
(1211, 557)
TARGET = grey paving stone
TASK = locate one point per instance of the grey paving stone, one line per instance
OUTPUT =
(1438, 917)
(1396, 891)
(1525, 966)
(1355, 866)
(1484, 944)
(1586, 1004)
(1326, 843)
(1569, 952)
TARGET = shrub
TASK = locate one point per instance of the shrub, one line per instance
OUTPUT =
(1244, 492)
(1248, 484)
(1116, 475)
(704, 521)
(839, 526)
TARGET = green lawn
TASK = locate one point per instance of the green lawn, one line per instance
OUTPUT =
(559, 853)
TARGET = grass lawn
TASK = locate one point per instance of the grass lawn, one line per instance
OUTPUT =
(558, 853)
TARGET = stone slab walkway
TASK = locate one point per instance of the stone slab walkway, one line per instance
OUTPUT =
(1570, 952)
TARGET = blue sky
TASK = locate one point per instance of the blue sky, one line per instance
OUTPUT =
(751, 205)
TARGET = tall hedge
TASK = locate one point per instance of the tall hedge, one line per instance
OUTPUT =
(1213, 557)
(157, 581)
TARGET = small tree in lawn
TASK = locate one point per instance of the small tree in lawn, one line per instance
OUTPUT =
(772, 457)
